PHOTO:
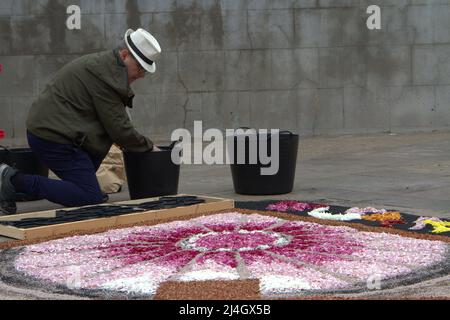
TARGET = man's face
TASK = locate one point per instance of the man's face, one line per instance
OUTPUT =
(135, 70)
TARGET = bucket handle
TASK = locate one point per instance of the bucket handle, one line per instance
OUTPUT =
(286, 131)
(245, 128)
(281, 132)
(174, 143)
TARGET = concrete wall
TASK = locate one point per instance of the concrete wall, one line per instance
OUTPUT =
(311, 66)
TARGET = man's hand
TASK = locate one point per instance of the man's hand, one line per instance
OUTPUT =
(156, 149)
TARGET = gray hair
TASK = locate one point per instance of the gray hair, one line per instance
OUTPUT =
(122, 46)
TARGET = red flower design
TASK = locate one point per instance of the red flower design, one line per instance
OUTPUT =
(220, 241)
(287, 256)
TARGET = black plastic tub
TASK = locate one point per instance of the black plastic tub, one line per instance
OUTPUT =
(247, 177)
(26, 161)
(151, 174)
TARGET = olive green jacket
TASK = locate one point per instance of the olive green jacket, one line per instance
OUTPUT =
(85, 105)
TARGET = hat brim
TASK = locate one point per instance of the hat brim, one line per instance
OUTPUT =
(149, 67)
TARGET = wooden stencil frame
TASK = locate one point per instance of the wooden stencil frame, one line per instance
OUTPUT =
(211, 204)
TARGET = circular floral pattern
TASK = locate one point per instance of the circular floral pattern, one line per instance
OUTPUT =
(241, 240)
(288, 257)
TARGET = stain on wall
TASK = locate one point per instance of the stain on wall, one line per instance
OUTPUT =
(216, 23)
(133, 14)
(57, 20)
(307, 64)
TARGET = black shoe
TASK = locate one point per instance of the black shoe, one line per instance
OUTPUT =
(105, 198)
(7, 191)
(7, 208)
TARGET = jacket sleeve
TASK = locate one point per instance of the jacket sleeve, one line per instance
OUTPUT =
(112, 114)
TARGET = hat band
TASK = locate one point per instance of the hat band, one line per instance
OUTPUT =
(138, 52)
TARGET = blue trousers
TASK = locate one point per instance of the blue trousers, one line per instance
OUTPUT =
(76, 169)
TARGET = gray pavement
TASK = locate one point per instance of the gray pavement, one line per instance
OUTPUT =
(409, 172)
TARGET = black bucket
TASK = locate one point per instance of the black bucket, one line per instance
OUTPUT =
(26, 161)
(247, 178)
(151, 174)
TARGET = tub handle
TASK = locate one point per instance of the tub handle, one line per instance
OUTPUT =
(286, 131)
(281, 132)
(174, 143)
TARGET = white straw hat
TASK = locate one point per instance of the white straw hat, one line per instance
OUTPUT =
(144, 47)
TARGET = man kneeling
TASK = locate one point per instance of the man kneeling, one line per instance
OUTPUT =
(75, 120)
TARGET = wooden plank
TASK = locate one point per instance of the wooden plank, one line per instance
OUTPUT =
(12, 232)
(222, 205)
(52, 213)
(79, 226)
(40, 214)
(145, 200)
(211, 204)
